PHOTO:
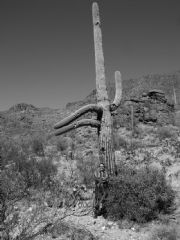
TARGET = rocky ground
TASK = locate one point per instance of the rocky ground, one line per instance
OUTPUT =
(86, 227)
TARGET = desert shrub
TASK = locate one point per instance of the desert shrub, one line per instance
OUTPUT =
(120, 142)
(19, 172)
(12, 185)
(163, 232)
(62, 144)
(137, 132)
(37, 146)
(35, 173)
(135, 144)
(28, 168)
(47, 171)
(165, 132)
(19, 160)
(86, 167)
(12, 189)
(25, 217)
(8, 152)
(116, 123)
(139, 195)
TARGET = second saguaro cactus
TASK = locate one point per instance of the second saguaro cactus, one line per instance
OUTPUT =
(103, 108)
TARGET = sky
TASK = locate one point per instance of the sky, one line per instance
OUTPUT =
(47, 48)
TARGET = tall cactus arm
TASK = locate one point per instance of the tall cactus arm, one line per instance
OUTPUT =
(102, 95)
(118, 95)
(80, 123)
(79, 113)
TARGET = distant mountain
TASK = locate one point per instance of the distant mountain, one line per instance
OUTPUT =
(22, 107)
(23, 119)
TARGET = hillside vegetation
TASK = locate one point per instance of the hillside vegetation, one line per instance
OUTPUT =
(39, 171)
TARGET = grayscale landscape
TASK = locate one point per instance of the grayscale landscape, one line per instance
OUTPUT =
(62, 114)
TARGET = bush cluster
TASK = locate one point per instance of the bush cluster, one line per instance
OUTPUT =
(17, 160)
(20, 171)
(8, 152)
(35, 173)
(139, 195)
(62, 144)
(37, 146)
(165, 132)
(120, 142)
(86, 167)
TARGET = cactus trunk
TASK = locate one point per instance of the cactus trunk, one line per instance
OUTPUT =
(106, 151)
(104, 109)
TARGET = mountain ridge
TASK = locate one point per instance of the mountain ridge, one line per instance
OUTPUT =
(23, 117)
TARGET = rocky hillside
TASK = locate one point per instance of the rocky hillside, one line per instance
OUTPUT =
(21, 119)
(154, 108)
(155, 142)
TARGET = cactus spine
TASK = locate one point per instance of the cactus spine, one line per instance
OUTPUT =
(104, 109)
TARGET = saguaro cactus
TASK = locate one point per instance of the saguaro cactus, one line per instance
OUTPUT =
(103, 108)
